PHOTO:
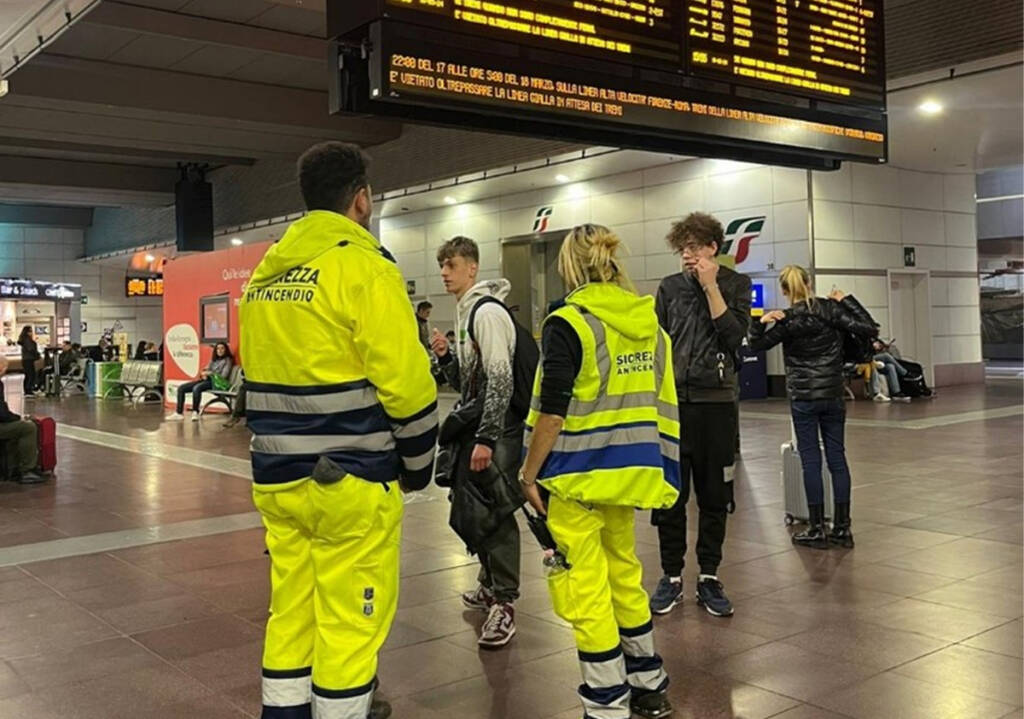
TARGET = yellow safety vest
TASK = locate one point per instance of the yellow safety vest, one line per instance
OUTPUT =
(333, 363)
(620, 441)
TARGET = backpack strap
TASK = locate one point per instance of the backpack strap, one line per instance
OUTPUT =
(486, 299)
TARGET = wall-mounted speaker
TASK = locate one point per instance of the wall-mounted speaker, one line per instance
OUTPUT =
(193, 210)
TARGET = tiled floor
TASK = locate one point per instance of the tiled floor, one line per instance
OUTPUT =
(922, 619)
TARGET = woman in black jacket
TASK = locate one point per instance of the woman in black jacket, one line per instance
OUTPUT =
(811, 332)
(29, 356)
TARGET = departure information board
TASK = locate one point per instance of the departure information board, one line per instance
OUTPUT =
(799, 81)
(829, 48)
(637, 30)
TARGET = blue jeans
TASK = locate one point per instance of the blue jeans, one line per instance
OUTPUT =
(830, 416)
(197, 389)
(893, 371)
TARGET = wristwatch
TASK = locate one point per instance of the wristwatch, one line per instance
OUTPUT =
(522, 479)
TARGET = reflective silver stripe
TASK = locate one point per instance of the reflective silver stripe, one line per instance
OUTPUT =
(311, 403)
(640, 646)
(607, 438)
(659, 360)
(730, 473)
(603, 675)
(604, 363)
(668, 410)
(607, 403)
(415, 464)
(650, 680)
(415, 429)
(347, 708)
(669, 449)
(291, 692)
(617, 710)
(322, 444)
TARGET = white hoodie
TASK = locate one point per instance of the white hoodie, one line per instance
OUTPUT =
(485, 367)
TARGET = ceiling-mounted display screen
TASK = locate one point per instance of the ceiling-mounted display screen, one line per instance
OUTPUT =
(822, 48)
(791, 81)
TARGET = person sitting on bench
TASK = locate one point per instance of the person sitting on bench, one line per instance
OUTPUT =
(220, 365)
(22, 442)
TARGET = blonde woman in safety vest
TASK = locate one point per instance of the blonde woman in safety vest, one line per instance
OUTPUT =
(603, 437)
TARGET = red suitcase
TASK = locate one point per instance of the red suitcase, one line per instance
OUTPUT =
(46, 431)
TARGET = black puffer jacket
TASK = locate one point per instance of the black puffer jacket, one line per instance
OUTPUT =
(704, 349)
(812, 344)
(480, 500)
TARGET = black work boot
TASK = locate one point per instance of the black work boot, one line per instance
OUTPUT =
(841, 533)
(379, 709)
(650, 705)
(814, 536)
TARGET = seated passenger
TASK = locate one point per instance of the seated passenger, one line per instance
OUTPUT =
(151, 354)
(140, 350)
(22, 445)
(220, 364)
(885, 362)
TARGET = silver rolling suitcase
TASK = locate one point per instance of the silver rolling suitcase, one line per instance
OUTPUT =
(794, 496)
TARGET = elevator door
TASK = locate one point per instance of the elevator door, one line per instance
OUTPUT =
(530, 263)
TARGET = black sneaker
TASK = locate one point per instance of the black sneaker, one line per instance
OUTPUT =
(711, 596)
(666, 596)
(650, 705)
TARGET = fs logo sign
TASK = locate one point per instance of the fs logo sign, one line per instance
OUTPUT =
(739, 234)
(540, 222)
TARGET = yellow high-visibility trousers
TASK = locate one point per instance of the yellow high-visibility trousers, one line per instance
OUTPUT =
(334, 551)
(603, 598)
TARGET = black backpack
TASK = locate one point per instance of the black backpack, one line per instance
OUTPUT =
(858, 349)
(524, 363)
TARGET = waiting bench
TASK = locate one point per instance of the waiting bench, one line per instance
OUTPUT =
(139, 379)
(227, 396)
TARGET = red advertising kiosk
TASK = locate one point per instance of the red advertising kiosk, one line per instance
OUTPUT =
(201, 296)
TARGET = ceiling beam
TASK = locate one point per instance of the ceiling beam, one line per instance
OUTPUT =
(152, 21)
(54, 216)
(130, 155)
(98, 175)
(110, 84)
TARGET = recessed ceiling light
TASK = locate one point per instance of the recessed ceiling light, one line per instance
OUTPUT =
(236, 241)
(930, 107)
(150, 258)
(449, 200)
(562, 178)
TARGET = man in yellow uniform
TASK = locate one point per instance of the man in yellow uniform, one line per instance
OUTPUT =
(343, 410)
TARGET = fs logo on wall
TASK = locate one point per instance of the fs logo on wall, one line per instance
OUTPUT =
(540, 222)
(739, 234)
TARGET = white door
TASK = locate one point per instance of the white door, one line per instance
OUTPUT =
(910, 317)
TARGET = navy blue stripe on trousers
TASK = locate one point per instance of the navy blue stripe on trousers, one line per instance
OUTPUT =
(280, 468)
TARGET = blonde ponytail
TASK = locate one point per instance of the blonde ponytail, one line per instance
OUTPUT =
(796, 284)
(590, 254)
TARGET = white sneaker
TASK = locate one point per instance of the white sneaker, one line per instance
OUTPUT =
(174, 417)
(882, 398)
(195, 416)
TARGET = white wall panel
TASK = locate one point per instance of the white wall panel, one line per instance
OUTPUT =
(919, 227)
(874, 223)
(833, 220)
(961, 230)
(836, 185)
(875, 185)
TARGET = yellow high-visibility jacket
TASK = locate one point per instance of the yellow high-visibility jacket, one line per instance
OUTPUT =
(620, 441)
(333, 362)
